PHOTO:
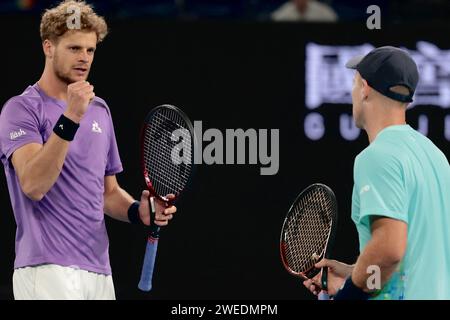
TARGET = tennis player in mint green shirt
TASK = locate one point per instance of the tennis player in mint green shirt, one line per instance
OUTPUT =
(401, 193)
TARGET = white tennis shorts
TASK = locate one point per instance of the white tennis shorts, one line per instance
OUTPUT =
(54, 282)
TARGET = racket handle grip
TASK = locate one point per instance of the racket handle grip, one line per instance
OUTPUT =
(145, 283)
(323, 296)
(324, 279)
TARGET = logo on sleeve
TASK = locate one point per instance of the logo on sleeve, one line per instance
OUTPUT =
(16, 134)
(95, 127)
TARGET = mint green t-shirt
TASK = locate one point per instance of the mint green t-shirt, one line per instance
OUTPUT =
(404, 176)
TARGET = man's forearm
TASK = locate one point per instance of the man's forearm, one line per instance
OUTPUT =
(374, 255)
(44, 168)
(117, 203)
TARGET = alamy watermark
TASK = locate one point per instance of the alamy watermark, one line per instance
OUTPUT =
(73, 22)
(236, 146)
(374, 280)
(374, 21)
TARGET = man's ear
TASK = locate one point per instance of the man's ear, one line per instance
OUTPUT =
(48, 48)
(365, 89)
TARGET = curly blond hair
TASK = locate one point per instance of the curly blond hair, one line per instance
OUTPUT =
(55, 21)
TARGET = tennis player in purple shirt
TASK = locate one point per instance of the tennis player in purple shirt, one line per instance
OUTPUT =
(60, 155)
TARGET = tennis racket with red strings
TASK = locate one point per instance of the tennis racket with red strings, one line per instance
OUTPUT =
(167, 149)
(308, 233)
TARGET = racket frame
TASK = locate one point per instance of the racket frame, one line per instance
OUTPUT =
(310, 273)
(147, 180)
(145, 283)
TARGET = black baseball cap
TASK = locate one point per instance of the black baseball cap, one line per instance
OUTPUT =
(386, 67)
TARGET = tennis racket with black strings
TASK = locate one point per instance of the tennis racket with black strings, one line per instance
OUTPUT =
(167, 149)
(308, 233)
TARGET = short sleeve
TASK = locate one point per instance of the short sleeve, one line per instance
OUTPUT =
(19, 125)
(114, 164)
(380, 186)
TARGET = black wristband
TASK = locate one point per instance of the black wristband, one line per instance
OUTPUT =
(65, 128)
(133, 213)
(351, 292)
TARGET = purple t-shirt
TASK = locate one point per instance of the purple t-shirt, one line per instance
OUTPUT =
(67, 226)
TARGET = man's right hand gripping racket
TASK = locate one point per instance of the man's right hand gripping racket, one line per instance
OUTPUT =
(308, 232)
(167, 144)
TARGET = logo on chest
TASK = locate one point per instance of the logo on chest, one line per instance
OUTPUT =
(95, 127)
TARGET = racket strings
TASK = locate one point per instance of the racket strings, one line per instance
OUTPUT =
(161, 156)
(307, 230)
(165, 174)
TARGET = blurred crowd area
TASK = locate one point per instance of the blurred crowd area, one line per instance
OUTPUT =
(394, 11)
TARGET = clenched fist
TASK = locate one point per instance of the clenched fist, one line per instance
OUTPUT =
(79, 95)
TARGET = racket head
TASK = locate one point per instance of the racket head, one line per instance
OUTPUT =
(308, 230)
(166, 133)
